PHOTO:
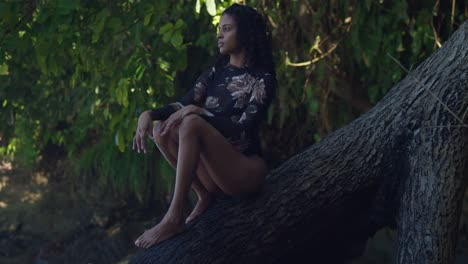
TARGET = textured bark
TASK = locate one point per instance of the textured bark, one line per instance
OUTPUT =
(402, 164)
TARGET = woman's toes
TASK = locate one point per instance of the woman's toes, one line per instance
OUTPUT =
(138, 242)
(142, 242)
(150, 243)
(158, 233)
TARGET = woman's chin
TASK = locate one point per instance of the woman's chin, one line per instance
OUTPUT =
(223, 51)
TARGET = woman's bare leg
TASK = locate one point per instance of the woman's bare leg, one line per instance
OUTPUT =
(168, 146)
(206, 192)
(172, 223)
(233, 172)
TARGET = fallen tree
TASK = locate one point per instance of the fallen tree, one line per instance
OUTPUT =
(403, 164)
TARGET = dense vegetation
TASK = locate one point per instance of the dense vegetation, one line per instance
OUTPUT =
(74, 75)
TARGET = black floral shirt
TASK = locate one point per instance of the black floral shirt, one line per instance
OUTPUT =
(235, 102)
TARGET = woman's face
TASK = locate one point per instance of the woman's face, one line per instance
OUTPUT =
(227, 35)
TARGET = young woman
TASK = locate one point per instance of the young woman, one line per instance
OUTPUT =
(211, 135)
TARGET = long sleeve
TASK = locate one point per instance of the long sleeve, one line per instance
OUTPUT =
(196, 95)
(262, 93)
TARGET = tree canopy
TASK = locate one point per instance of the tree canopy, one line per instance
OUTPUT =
(74, 75)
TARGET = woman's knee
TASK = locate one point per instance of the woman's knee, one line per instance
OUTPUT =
(190, 125)
(160, 140)
(173, 134)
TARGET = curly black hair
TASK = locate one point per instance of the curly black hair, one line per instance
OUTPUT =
(254, 35)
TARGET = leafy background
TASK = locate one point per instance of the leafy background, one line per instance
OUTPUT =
(75, 75)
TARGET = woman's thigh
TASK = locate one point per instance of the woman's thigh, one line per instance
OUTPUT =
(168, 145)
(231, 170)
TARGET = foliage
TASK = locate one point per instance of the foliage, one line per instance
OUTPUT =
(333, 59)
(110, 61)
(76, 74)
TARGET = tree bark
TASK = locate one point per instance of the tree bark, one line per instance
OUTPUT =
(403, 165)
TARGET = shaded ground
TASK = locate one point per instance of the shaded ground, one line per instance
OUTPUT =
(45, 221)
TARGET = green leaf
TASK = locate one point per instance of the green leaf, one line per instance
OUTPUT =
(163, 64)
(99, 24)
(4, 69)
(119, 140)
(64, 7)
(167, 37)
(139, 72)
(177, 40)
(166, 28)
(211, 7)
(41, 61)
(121, 92)
(197, 7)
(147, 19)
(216, 20)
(179, 24)
(115, 120)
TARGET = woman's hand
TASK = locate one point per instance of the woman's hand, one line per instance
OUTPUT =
(145, 127)
(177, 117)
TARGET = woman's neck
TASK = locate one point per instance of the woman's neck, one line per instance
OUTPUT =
(238, 59)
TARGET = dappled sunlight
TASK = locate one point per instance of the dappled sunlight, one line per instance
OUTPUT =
(73, 191)
(22, 188)
(4, 182)
(113, 230)
(5, 166)
(31, 197)
(40, 179)
(12, 227)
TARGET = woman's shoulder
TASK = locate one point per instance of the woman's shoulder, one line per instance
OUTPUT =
(261, 73)
(207, 74)
(265, 76)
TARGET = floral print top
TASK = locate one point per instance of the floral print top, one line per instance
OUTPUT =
(235, 102)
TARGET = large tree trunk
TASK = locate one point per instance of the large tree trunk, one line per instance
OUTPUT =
(402, 164)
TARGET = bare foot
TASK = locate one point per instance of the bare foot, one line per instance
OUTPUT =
(160, 232)
(200, 207)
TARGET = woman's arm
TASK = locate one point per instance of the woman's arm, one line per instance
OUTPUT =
(177, 117)
(145, 127)
(195, 96)
(254, 113)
